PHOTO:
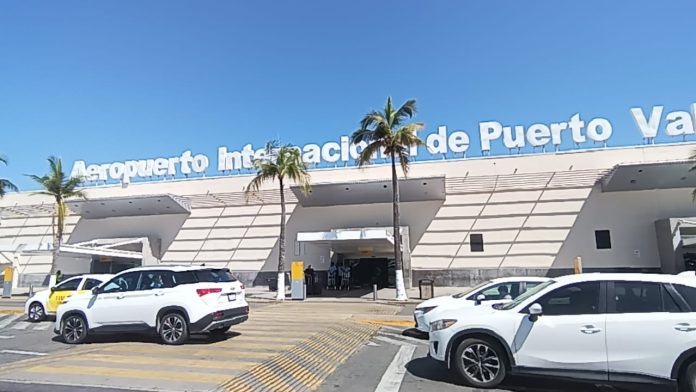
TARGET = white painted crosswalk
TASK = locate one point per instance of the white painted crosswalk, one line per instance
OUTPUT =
(18, 322)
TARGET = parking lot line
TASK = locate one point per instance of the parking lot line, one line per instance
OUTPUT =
(141, 360)
(394, 375)
(9, 319)
(21, 325)
(206, 378)
(20, 352)
(41, 326)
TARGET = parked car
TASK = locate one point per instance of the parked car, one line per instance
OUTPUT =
(45, 302)
(171, 301)
(489, 292)
(602, 328)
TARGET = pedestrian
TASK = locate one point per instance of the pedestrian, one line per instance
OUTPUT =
(345, 281)
(59, 276)
(331, 284)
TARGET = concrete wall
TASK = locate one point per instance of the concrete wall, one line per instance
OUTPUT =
(535, 212)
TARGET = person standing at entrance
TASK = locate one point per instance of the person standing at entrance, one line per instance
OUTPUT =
(332, 277)
(345, 281)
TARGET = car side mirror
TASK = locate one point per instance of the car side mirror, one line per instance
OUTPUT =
(53, 288)
(95, 290)
(480, 298)
(535, 311)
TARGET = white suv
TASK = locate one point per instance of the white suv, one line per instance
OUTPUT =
(173, 301)
(604, 328)
(488, 292)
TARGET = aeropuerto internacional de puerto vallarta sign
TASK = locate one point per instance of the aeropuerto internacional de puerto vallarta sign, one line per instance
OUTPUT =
(538, 135)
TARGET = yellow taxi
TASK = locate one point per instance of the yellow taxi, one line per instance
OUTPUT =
(45, 303)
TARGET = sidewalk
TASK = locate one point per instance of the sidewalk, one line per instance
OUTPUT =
(261, 293)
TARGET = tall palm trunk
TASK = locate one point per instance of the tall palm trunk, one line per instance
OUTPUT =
(281, 245)
(400, 287)
(59, 227)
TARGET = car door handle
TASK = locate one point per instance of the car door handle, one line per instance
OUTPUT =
(685, 327)
(158, 293)
(590, 329)
(120, 296)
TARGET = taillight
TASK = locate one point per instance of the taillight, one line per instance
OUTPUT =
(218, 315)
(202, 292)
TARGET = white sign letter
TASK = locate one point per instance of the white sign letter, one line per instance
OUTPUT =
(648, 127)
(489, 130)
(679, 123)
(599, 123)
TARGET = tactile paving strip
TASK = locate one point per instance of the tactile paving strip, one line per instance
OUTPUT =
(305, 366)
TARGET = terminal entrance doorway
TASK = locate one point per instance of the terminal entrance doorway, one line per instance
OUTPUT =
(368, 271)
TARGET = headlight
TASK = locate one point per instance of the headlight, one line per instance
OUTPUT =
(441, 324)
(425, 309)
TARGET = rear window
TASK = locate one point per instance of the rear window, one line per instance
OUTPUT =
(214, 276)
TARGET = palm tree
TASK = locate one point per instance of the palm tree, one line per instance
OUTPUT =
(6, 185)
(285, 164)
(60, 187)
(387, 131)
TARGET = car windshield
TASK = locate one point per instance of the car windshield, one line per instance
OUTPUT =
(215, 276)
(524, 296)
(471, 290)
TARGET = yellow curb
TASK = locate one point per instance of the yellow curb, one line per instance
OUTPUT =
(389, 323)
(11, 311)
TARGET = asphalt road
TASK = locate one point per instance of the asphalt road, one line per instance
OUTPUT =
(389, 361)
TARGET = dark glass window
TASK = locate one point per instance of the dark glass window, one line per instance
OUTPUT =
(476, 242)
(637, 297)
(501, 291)
(668, 302)
(602, 239)
(184, 277)
(215, 275)
(689, 294)
(91, 283)
(123, 282)
(69, 285)
(156, 280)
(574, 299)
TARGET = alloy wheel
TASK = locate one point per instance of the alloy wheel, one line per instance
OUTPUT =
(480, 363)
(172, 328)
(73, 329)
(36, 312)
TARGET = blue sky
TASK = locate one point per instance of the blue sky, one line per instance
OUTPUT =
(117, 80)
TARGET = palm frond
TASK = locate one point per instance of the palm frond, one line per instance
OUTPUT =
(3, 159)
(6, 185)
(369, 153)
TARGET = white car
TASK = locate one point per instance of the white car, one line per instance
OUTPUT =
(171, 301)
(44, 303)
(489, 292)
(603, 328)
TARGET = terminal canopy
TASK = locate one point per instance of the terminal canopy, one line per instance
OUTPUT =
(369, 192)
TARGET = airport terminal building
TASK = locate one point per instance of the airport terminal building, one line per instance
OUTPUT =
(463, 220)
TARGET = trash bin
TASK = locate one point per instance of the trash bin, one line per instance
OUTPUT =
(427, 288)
(272, 284)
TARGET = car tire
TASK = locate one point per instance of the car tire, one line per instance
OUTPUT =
(73, 329)
(481, 363)
(173, 329)
(687, 381)
(36, 312)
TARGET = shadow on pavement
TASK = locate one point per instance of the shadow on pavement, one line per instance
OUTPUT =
(197, 339)
(430, 369)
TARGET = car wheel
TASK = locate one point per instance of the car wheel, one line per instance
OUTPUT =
(36, 312)
(173, 329)
(74, 329)
(687, 381)
(480, 363)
